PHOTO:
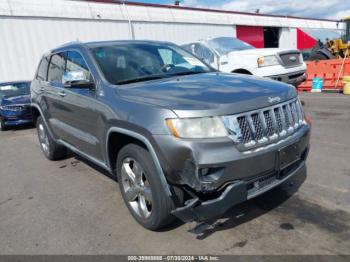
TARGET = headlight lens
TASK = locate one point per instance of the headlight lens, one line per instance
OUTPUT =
(206, 127)
(11, 108)
(267, 61)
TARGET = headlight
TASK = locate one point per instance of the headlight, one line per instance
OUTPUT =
(206, 127)
(267, 61)
(11, 108)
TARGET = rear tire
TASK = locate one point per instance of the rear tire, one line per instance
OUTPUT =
(141, 188)
(50, 148)
(2, 124)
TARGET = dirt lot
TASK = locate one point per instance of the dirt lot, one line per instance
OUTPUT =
(70, 207)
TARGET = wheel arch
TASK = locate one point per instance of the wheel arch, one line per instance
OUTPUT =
(242, 71)
(117, 138)
(35, 114)
(36, 111)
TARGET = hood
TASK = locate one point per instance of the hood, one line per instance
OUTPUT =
(15, 100)
(208, 94)
(263, 51)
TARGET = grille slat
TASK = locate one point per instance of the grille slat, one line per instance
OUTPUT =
(259, 130)
(245, 130)
(269, 124)
(290, 115)
(286, 116)
(279, 120)
(295, 113)
(300, 114)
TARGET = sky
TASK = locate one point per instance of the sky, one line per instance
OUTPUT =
(329, 9)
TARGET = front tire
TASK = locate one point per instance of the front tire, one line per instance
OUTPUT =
(141, 188)
(2, 124)
(50, 148)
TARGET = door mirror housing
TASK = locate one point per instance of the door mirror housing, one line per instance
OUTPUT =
(77, 79)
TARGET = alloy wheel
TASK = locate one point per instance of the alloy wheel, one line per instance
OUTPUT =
(137, 190)
(44, 140)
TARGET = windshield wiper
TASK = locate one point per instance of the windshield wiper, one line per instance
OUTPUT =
(153, 77)
(188, 73)
(140, 79)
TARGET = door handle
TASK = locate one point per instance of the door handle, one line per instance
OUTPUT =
(62, 93)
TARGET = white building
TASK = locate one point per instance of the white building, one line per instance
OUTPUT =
(29, 28)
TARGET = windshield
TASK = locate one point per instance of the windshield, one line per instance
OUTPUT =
(16, 89)
(127, 63)
(224, 45)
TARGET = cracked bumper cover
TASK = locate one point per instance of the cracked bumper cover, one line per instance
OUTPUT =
(196, 210)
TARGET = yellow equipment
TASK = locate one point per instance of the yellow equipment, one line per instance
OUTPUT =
(334, 48)
(339, 46)
(346, 88)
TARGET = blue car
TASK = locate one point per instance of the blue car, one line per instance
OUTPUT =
(14, 104)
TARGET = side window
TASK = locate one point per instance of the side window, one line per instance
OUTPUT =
(42, 70)
(170, 57)
(204, 53)
(56, 68)
(75, 62)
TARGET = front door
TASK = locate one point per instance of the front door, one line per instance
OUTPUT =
(74, 117)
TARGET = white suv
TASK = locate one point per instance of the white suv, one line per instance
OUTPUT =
(231, 55)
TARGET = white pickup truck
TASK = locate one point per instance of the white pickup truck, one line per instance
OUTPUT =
(231, 55)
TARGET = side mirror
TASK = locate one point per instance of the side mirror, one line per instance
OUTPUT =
(77, 79)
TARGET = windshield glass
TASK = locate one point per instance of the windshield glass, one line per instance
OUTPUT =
(16, 89)
(224, 45)
(127, 63)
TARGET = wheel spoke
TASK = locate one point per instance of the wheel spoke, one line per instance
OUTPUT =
(147, 193)
(143, 207)
(126, 169)
(131, 194)
(137, 190)
(137, 170)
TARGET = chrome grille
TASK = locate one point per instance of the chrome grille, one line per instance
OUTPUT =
(291, 59)
(267, 124)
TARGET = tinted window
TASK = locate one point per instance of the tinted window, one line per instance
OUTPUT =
(134, 62)
(75, 62)
(42, 70)
(56, 68)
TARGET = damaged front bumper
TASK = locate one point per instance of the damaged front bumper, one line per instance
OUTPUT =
(235, 193)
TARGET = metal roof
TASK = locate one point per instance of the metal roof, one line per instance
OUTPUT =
(154, 13)
(204, 9)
